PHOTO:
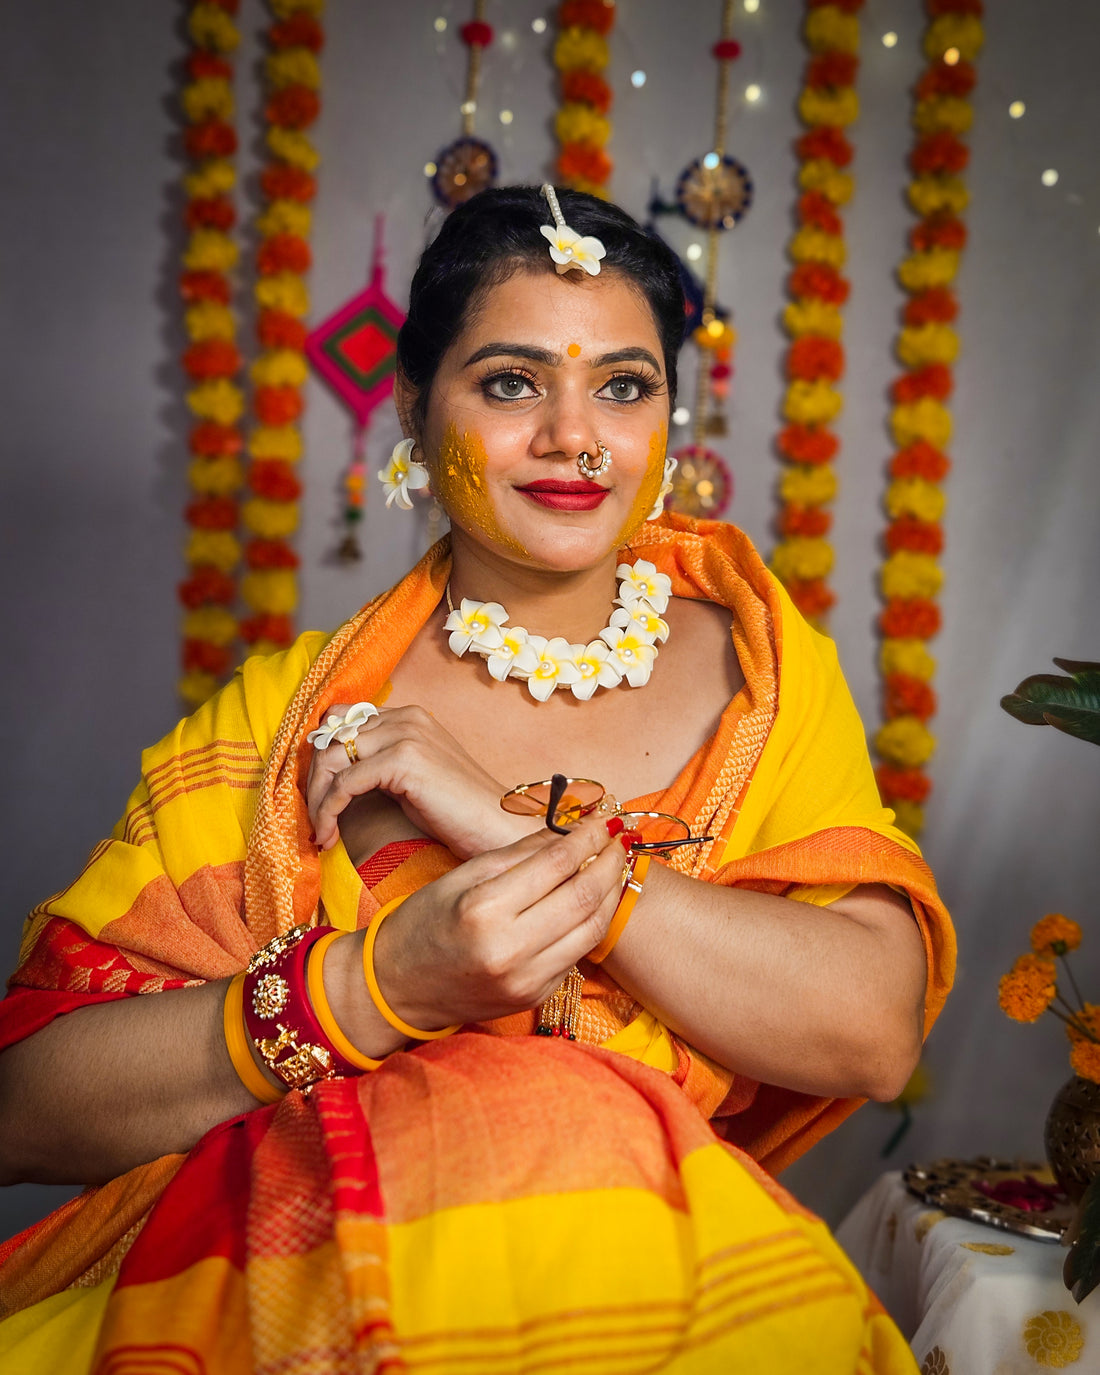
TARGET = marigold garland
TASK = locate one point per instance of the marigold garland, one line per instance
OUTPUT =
(211, 361)
(292, 80)
(581, 124)
(827, 105)
(920, 422)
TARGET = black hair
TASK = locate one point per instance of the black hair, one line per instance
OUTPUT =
(495, 234)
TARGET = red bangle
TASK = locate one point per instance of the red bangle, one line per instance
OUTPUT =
(278, 1015)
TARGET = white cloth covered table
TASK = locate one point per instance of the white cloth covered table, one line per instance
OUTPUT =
(970, 1299)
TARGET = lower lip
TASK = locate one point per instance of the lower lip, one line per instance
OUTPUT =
(568, 501)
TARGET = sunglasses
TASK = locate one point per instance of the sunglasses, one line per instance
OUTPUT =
(564, 801)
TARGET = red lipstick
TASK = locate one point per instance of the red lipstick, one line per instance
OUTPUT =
(565, 496)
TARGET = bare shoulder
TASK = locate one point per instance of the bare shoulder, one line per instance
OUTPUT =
(701, 645)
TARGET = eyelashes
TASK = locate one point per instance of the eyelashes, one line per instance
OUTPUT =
(517, 384)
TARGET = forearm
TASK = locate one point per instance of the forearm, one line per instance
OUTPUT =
(810, 998)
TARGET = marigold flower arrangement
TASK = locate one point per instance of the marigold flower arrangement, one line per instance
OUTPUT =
(582, 127)
(1030, 988)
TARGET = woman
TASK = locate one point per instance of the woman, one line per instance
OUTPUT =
(488, 1200)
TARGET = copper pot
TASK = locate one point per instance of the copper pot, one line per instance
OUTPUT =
(1072, 1136)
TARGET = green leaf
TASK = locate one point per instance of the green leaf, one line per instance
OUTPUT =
(1069, 704)
(1076, 666)
(1081, 1271)
(1085, 725)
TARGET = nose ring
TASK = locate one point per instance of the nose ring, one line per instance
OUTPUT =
(588, 468)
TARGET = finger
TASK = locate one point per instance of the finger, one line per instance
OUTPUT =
(576, 914)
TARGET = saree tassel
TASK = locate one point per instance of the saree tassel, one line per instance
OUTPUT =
(560, 1013)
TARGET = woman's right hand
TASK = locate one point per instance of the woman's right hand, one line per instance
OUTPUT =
(498, 934)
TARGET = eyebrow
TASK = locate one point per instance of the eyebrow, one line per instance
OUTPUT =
(554, 360)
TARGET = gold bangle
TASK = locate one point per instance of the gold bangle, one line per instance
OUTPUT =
(632, 891)
(376, 993)
(315, 983)
(239, 1047)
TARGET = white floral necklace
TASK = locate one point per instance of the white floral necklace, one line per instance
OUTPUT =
(626, 647)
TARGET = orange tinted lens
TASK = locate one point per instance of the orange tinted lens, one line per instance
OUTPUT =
(579, 798)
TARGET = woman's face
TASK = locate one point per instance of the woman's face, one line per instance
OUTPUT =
(546, 368)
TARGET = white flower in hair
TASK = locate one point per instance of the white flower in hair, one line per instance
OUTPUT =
(476, 625)
(547, 664)
(641, 581)
(343, 728)
(402, 475)
(568, 248)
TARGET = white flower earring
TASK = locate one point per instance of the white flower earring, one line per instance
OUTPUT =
(402, 475)
(666, 487)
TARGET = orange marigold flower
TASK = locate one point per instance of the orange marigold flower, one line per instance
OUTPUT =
(212, 513)
(211, 358)
(297, 31)
(212, 212)
(1055, 934)
(941, 79)
(812, 597)
(907, 696)
(586, 14)
(910, 618)
(205, 657)
(937, 306)
(920, 459)
(278, 405)
(211, 440)
(275, 480)
(294, 107)
(203, 64)
(283, 183)
(207, 584)
(205, 286)
(935, 380)
(811, 522)
(211, 139)
(579, 162)
(1089, 1018)
(938, 231)
(832, 69)
(817, 210)
(278, 629)
(283, 253)
(587, 88)
(270, 553)
(918, 536)
(897, 785)
(277, 330)
(807, 444)
(826, 143)
(938, 153)
(812, 357)
(1084, 1060)
(820, 281)
(1028, 989)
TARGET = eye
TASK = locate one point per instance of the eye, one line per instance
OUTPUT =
(508, 386)
(627, 386)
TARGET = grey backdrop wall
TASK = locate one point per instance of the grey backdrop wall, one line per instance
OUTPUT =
(93, 424)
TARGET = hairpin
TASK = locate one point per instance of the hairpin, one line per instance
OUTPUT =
(567, 248)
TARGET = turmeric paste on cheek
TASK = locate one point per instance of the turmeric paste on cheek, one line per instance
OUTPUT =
(648, 490)
(460, 484)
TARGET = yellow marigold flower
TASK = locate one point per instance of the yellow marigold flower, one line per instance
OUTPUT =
(275, 592)
(811, 403)
(905, 741)
(812, 246)
(1055, 934)
(270, 519)
(285, 291)
(292, 146)
(283, 9)
(285, 217)
(213, 623)
(215, 477)
(210, 27)
(962, 31)
(910, 657)
(716, 335)
(928, 195)
(209, 320)
(800, 559)
(209, 250)
(276, 441)
(920, 344)
(218, 400)
(830, 29)
(943, 112)
(914, 496)
(197, 687)
(580, 50)
(280, 368)
(922, 270)
(577, 123)
(217, 547)
(924, 419)
(833, 107)
(908, 817)
(1028, 989)
(812, 317)
(211, 97)
(214, 178)
(808, 486)
(292, 67)
(906, 574)
(819, 174)
(590, 188)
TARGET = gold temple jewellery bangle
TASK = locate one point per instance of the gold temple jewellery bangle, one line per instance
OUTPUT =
(237, 1043)
(315, 982)
(376, 993)
(632, 891)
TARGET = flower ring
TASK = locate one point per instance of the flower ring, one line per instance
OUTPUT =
(342, 728)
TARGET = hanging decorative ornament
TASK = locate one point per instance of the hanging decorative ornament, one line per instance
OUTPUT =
(920, 423)
(292, 79)
(582, 127)
(827, 105)
(468, 165)
(212, 361)
(355, 351)
(713, 192)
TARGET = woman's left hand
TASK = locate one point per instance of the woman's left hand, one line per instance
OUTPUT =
(405, 753)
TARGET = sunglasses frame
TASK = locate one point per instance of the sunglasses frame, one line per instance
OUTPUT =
(559, 783)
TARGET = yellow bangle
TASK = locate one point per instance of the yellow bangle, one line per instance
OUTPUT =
(237, 1043)
(376, 993)
(632, 891)
(315, 983)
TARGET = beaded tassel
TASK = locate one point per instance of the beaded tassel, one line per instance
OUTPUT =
(560, 1013)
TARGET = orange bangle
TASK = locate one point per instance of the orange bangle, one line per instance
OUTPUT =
(376, 993)
(632, 891)
(315, 983)
(239, 1047)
